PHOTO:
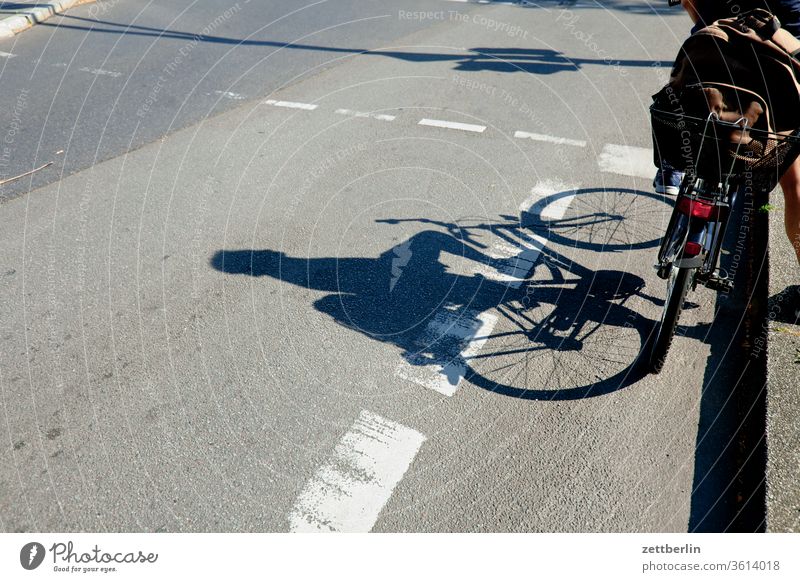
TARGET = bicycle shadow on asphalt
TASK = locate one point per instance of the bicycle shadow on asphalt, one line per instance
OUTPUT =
(562, 332)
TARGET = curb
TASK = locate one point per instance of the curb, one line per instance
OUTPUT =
(22, 19)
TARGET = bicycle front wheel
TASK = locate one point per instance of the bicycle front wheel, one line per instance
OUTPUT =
(677, 287)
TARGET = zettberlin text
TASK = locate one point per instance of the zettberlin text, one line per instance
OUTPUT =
(684, 549)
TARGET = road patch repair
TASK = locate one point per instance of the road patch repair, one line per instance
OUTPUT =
(22, 14)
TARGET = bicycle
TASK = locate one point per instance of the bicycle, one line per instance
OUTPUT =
(721, 159)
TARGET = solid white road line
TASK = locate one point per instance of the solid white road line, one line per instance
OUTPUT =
(291, 104)
(352, 113)
(453, 125)
(349, 491)
(550, 139)
(627, 160)
(447, 342)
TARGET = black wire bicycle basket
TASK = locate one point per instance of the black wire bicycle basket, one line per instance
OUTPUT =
(699, 143)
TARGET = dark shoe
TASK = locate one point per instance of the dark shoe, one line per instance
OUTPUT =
(668, 181)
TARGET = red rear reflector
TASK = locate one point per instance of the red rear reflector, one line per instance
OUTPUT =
(695, 208)
(692, 249)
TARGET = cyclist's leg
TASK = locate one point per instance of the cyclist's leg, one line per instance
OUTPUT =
(790, 183)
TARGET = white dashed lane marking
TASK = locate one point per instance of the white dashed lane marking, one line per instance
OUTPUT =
(542, 203)
(230, 95)
(517, 3)
(487, 2)
(627, 160)
(550, 139)
(100, 72)
(291, 104)
(453, 125)
(6, 55)
(449, 340)
(352, 113)
(616, 159)
(349, 491)
(514, 262)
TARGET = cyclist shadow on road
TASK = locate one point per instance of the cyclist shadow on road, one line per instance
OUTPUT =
(532, 324)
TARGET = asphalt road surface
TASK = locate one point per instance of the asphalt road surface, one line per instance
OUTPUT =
(348, 265)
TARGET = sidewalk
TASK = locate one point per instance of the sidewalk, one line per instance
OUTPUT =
(783, 396)
(22, 14)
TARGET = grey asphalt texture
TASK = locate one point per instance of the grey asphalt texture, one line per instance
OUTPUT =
(783, 405)
(80, 80)
(194, 295)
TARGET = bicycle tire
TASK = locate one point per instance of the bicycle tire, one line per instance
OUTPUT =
(677, 287)
(525, 357)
